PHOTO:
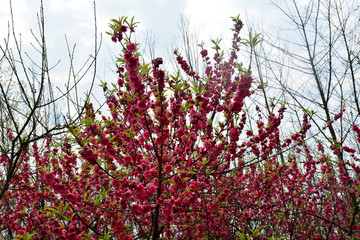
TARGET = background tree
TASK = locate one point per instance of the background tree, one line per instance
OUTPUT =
(31, 106)
(187, 45)
(314, 67)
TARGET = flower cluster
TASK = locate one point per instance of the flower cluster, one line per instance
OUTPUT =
(118, 36)
(177, 159)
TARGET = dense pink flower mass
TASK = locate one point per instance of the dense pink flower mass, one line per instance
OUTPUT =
(176, 159)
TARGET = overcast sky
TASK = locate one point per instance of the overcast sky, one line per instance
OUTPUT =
(160, 17)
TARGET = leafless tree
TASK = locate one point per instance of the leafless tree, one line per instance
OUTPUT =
(30, 103)
(186, 44)
(316, 67)
(313, 65)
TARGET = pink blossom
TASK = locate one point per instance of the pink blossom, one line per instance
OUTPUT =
(131, 47)
(204, 53)
(160, 140)
(234, 134)
(127, 159)
(152, 188)
(115, 183)
(168, 168)
(149, 174)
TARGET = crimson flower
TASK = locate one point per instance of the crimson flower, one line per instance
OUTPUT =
(131, 47)
(204, 53)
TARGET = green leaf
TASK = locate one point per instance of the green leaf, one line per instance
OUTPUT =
(26, 236)
(53, 210)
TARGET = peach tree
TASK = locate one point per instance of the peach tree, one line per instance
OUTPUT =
(174, 158)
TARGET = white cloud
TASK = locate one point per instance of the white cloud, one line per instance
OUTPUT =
(213, 17)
